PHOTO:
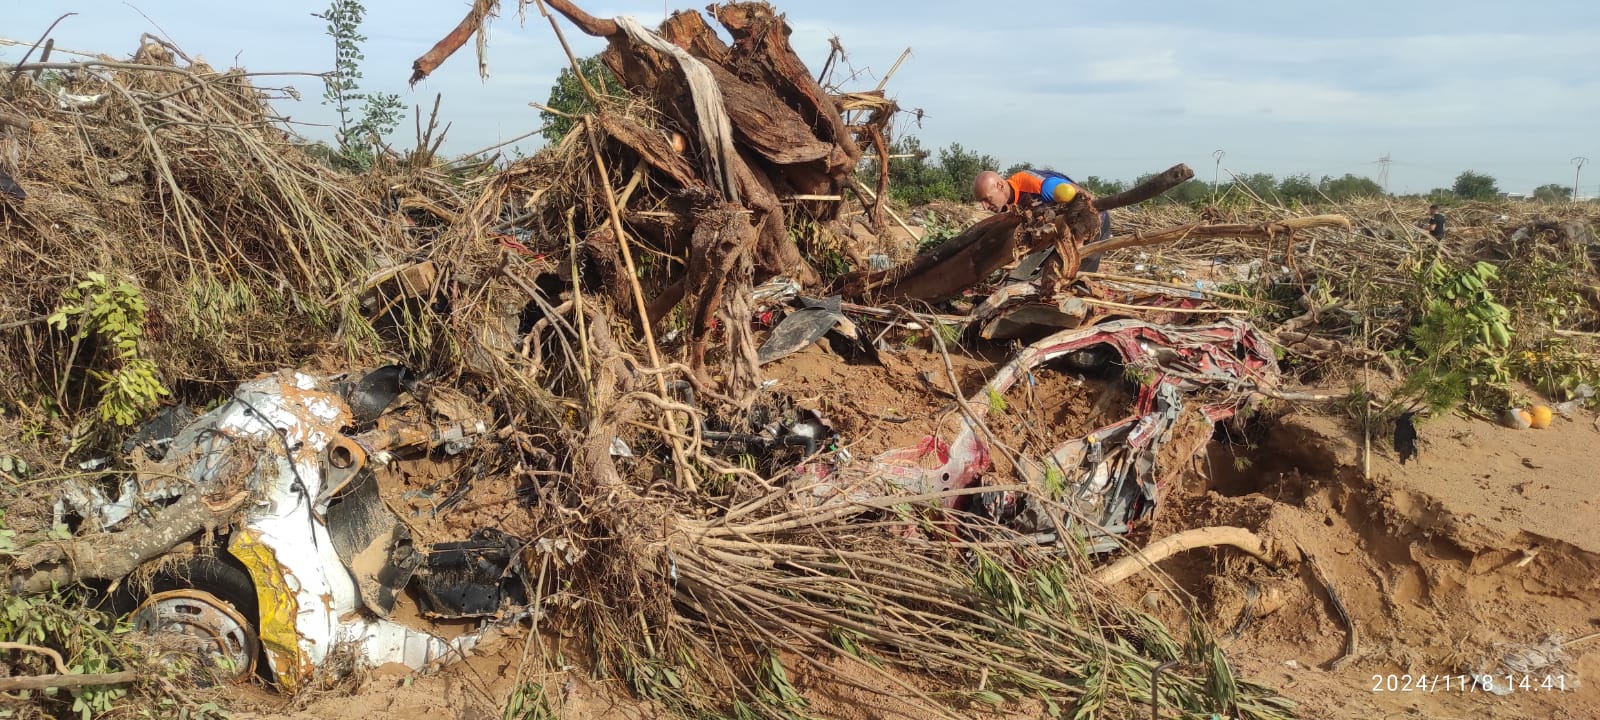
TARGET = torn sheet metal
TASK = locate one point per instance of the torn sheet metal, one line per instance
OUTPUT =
(1015, 310)
(802, 327)
(810, 320)
(1117, 459)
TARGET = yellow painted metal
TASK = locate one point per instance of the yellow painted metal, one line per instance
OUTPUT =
(278, 609)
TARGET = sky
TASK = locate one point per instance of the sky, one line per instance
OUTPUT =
(1105, 88)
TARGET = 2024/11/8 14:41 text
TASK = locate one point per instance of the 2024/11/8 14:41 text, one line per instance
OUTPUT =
(1394, 682)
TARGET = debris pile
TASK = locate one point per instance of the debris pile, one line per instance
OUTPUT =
(636, 389)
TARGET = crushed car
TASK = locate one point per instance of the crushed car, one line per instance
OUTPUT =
(314, 567)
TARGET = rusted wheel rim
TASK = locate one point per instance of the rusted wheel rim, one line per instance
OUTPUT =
(205, 625)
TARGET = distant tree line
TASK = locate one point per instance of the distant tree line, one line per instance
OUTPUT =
(918, 175)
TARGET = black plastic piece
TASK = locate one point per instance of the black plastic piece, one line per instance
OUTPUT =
(373, 393)
(471, 578)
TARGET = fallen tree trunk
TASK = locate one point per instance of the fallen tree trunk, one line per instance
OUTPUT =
(1150, 188)
(109, 556)
(945, 271)
(1173, 544)
(451, 42)
(45, 682)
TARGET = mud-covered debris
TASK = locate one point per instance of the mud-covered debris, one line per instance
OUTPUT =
(327, 557)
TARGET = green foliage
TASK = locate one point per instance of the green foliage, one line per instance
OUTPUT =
(1349, 187)
(1019, 167)
(1552, 193)
(112, 313)
(995, 583)
(1101, 186)
(914, 180)
(79, 634)
(1442, 196)
(777, 691)
(568, 96)
(364, 118)
(961, 166)
(8, 537)
(1298, 189)
(1546, 287)
(528, 702)
(1460, 341)
(936, 230)
(11, 466)
(1055, 481)
(1475, 186)
(950, 333)
(1261, 185)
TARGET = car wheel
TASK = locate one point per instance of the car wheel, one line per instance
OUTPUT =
(202, 608)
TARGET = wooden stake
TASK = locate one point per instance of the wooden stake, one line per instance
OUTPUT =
(638, 294)
(1366, 410)
(594, 97)
(858, 187)
(885, 81)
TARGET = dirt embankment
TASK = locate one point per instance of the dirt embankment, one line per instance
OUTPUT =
(1474, 559)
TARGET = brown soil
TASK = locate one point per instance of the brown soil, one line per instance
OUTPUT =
(1443, 564)
(877, 408)
(1051, 406)
(443, 498)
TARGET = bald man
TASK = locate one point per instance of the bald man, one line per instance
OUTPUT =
(997, 192)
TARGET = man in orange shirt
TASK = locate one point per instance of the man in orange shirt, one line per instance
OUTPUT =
(997, 192)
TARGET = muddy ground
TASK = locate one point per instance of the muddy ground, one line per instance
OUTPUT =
(1479, 548)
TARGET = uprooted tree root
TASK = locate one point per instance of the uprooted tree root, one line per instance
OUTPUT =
(1170, 545)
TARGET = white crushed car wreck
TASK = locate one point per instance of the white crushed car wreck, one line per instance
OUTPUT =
(325, 558)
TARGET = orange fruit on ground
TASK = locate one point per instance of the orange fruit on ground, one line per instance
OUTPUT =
(1541, 416)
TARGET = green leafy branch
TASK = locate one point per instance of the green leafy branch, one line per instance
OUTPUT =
(1460, 343)
(112, 312)
(364, 118)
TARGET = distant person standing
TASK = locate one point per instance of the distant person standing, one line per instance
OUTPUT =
(1435, 222)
